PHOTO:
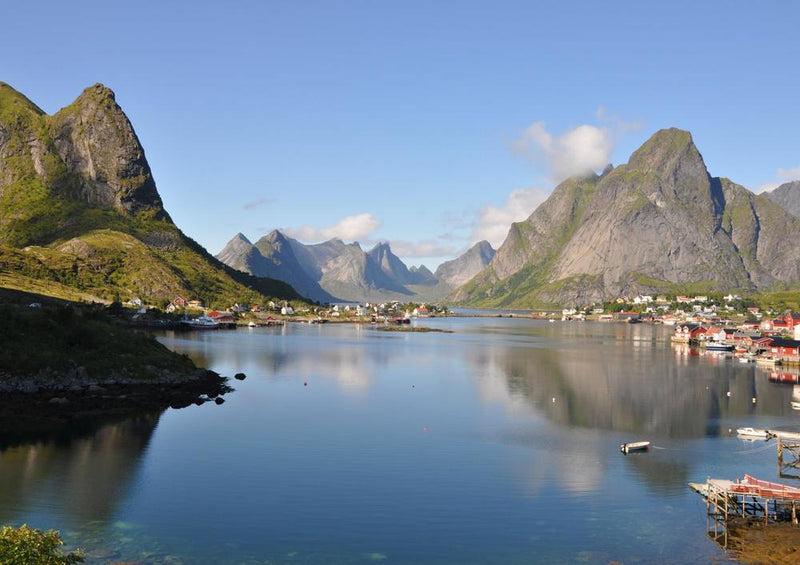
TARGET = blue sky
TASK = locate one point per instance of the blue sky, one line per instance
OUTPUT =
(426, 124)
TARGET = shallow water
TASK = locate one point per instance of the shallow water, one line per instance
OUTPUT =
(497, 443)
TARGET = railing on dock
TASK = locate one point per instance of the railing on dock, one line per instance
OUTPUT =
(749, 498)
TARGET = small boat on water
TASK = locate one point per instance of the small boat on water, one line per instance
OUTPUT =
(755, 433)
(201, 323)
(767, 361)
(634, 446)
(718, 346)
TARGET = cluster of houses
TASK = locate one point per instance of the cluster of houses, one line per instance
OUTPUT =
(770, 341)
(380, 312)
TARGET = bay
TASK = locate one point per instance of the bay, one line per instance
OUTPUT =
(496, 443)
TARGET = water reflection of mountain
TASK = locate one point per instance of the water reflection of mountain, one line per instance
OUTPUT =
(83, 472)
(630, 379)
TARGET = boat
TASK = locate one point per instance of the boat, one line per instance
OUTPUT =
(252, 324)
(634, 446)
(767, 361)
(753, 433)
(718, 346)
(201, 323)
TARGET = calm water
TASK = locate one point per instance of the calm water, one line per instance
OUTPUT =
(495, 444)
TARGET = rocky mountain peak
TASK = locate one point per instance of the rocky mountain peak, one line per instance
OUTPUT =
(460, 270)
(97, 143)
(656, 222)
(669, 152)
(240, 237)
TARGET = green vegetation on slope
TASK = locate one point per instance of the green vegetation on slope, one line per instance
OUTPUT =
(63, 336)
(80, 217)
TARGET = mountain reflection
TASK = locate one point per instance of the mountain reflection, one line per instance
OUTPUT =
(84, 472)
(625, 381)
(620, 377)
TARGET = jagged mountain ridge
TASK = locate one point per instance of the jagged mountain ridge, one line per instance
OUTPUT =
(656, 223)
(333, 270)
(460, 270)
(80, 215)
(787, 196)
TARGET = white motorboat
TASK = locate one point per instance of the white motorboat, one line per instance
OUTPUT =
(634, 446)
(755, 433)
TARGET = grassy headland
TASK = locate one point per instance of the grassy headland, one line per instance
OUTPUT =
(62, 361)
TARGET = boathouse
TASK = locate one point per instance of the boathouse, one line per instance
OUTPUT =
(785, 349)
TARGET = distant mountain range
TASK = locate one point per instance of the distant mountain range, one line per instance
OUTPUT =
(659, 223)
(336, 271)
(80, 216)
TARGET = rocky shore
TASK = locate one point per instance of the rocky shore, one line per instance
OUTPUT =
(62, 397)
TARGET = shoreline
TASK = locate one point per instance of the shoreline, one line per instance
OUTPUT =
(27, 403)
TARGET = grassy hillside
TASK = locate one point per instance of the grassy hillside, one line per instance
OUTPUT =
(80, 217)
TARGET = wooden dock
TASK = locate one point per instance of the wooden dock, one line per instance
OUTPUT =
(748, 498)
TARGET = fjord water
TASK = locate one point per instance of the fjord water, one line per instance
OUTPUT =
(496, 443)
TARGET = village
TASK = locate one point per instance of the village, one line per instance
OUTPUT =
(193, 314)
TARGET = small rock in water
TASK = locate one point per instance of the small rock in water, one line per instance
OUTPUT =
(240, 376)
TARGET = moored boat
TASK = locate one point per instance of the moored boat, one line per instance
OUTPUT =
(767, 361)
(718, 346)
(634, 446)
(755, 433)
(201, 323)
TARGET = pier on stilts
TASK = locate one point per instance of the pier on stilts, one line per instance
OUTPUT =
(749, 498)
(788, 458)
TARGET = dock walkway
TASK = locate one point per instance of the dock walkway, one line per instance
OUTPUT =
(748, 498)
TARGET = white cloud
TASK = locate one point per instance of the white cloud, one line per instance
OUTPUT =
(351, 228)
(494, 222)
(783, 176)
(425, 248)
(578, 151)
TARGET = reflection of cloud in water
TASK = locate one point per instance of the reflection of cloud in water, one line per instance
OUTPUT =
(349, 368)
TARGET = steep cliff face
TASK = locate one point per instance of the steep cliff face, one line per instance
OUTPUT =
(80, 214)
(658, 222)
(787, 196)
(460, 270)
(54, 168)
(96, 142)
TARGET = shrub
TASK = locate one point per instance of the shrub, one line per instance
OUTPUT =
(28, 546)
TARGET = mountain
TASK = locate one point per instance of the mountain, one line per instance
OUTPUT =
(658, 223)
(460, 270)
(787, 196)
(333, 270)
(81, 218)
(272, 256)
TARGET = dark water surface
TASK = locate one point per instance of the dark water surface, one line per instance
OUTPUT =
(495, 444)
